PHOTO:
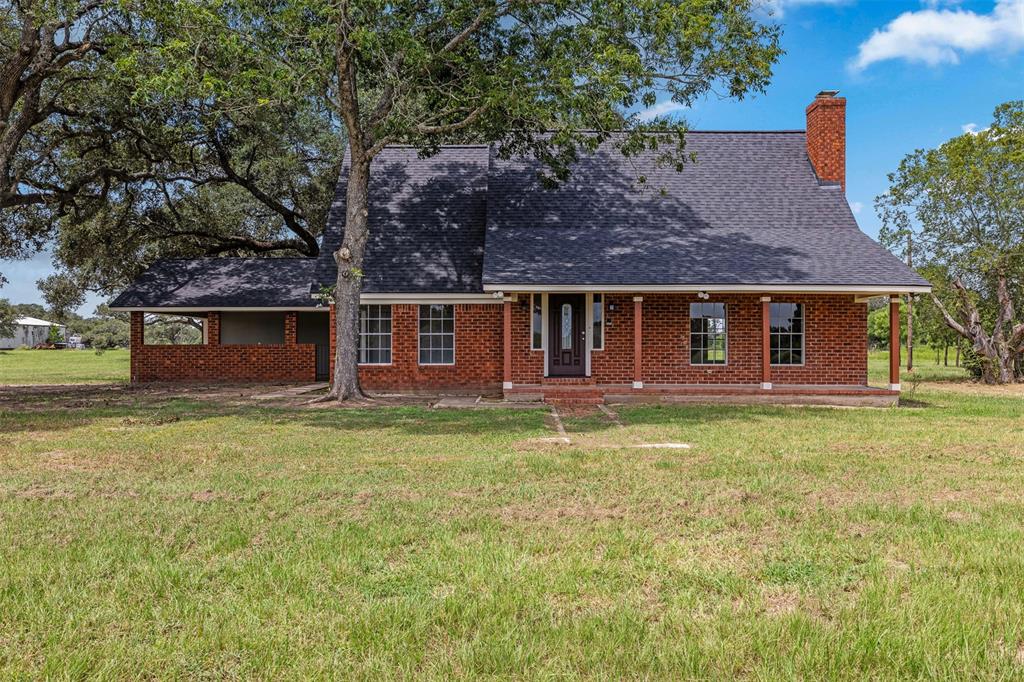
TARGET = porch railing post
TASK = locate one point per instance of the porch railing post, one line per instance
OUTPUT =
(137, 339)
(506, 379)
(894, 343)
(290, 329)
(332, 339)
(638, 342)
(213, 328)
(766, 338)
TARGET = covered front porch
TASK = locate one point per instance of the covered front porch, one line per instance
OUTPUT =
(238, 345)
(721, 346)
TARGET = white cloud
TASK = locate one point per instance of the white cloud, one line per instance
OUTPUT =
(940, 36)
(660, 109)
(856, 206)
(972, 128)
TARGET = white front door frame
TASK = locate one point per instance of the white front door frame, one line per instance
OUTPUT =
(588, 304)
(588, 301)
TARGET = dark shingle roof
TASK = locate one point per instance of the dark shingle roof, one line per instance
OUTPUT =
(750, 210)
(221, 283)
(426, 222)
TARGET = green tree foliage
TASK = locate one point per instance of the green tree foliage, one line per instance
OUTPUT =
(54, 336)
(425, 73)
(50, 159)
(173, 329)
(104, 330)
(7, 316)
(132, 164)
(62, 295)
(963, 204)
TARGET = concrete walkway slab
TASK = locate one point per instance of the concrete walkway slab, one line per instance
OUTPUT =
(291, 391)
(458, 401)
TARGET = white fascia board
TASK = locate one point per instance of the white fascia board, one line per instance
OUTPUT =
(399, 299)
(222, 309)
(379, 299)
(714, 288)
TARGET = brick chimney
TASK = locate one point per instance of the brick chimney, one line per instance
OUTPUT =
(826, 136)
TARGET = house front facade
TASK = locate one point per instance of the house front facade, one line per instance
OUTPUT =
(745, 273)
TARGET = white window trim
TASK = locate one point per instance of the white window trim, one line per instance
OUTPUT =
(689, 337)
(590, 324)
(544, 329)
(588, 341)
(419, 336)
(391, 339)
(543, 337)
(803, 338)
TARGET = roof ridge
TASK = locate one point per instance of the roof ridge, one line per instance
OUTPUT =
(710, 131)
(179, 258)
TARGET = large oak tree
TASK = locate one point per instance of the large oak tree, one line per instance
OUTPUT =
(423, 72)
(110, 158)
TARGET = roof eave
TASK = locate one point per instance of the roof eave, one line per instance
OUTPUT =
(878, 290)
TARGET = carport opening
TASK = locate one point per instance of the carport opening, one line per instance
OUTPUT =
(172, 330)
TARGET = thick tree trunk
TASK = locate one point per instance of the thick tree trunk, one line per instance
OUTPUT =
(349, 285)
(996, 350)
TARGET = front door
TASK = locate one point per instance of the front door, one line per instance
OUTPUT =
(567, 335)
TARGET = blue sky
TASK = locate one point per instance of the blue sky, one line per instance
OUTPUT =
(914, 74)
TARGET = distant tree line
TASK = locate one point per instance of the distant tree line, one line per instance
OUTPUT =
(958, 211)
(104, 329)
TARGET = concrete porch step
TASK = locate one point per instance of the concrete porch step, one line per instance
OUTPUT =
(573, 399)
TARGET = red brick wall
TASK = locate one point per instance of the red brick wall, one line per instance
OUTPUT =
(213, 362)
(835, 343)
(527, 364)
(478, 353)
(826, 138)
(212, 328)
(241, 363)
(835, 349)
(614, 364)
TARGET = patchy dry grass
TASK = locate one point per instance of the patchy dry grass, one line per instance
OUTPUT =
(151, 536)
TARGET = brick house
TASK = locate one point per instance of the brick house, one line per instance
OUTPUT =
(743, 274)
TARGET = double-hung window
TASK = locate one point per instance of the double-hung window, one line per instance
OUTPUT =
(708, 340)
(787, 333)
(375, 335)
(437, 334)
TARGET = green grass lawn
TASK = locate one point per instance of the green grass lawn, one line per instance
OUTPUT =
(63, 366)
(925, 368)
(153, 537)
